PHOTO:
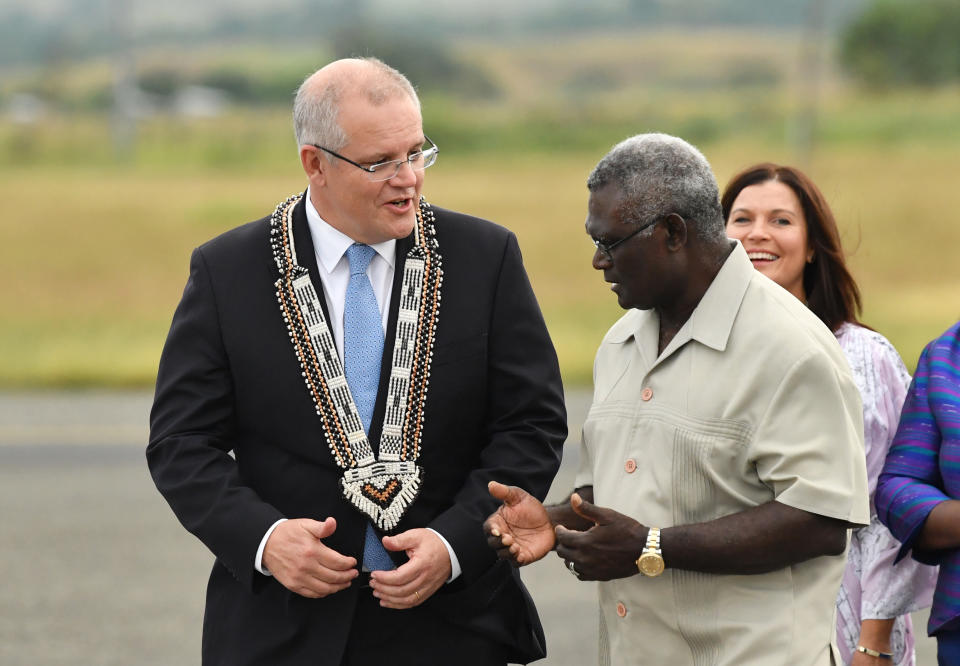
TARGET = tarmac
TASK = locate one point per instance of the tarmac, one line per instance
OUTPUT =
(99, 571)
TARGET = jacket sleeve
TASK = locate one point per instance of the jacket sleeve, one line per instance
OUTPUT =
(192, 428)
(526, 419)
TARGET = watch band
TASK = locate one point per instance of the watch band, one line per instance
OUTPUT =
(874, 653)
(653, 540)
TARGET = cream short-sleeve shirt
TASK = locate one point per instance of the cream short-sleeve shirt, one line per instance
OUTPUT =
(751, 402)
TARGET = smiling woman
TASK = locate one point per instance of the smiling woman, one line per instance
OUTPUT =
(768, 220)
(779, 214)
(790, 235)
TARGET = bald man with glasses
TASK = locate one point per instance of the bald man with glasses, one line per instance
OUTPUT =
(341, 381)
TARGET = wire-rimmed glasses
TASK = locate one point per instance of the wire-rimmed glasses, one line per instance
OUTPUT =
(381, 171)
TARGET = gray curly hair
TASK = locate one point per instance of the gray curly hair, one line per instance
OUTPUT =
(660, 174)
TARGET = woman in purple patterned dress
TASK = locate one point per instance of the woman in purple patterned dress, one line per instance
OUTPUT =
(918, 494)
(790, 235)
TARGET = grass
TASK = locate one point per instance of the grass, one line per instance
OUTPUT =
(94, 249)
(93, 261)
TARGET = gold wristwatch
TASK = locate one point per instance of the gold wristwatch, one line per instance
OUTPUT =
(650, 562)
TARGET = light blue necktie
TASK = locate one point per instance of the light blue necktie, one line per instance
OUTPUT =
(362, 351)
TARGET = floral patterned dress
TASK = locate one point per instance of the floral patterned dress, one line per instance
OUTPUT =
(873, 586)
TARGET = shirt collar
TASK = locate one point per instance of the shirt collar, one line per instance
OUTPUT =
(331, 244)
(712, 319)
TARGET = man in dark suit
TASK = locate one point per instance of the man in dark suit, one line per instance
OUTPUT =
(347, 521)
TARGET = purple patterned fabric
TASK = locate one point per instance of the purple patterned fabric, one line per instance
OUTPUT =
(873, 587)
(923, 468)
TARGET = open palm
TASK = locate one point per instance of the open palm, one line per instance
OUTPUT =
(520, 530)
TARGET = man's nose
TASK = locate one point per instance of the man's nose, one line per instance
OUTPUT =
(405, 175)
(600, 259)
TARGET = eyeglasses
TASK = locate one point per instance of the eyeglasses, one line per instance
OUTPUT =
(381, 171)
(607, 249)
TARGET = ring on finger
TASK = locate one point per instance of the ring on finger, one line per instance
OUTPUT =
(573, 569)
(417, 593)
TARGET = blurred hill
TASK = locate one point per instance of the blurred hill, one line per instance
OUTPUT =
(131, 132)
(36, 31)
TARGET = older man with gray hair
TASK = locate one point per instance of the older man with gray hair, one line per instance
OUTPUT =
(722, 458)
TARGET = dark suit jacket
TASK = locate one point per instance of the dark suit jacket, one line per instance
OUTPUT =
(229, 381)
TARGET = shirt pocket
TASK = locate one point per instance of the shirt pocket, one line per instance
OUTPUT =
(708, 476)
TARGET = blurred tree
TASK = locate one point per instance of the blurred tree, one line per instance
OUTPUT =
(426, 61)
(160, 82)
(233, 81)
(897, 42)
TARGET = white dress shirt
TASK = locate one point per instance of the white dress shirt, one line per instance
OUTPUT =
(330, 246)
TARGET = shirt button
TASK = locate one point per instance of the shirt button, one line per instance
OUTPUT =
(646, 394)
(621, 610)
(630, 465)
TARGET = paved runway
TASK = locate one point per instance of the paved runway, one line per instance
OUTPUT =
(98, 571)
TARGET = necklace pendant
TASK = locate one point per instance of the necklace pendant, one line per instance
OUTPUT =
(384, 490)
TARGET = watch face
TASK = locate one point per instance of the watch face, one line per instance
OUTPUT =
(650, 564)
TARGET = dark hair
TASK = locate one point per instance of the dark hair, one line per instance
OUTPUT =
(832, 293)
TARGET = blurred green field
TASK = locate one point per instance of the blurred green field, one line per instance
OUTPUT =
(94, 251)
(93, 262)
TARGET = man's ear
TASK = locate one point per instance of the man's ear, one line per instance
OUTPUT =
(677, 233)
(313, 165)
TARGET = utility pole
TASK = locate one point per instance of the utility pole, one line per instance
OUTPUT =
(123, 122)
(810, 75)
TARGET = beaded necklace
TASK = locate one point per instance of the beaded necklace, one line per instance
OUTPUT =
(381, 486)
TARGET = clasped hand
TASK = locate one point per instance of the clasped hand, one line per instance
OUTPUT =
(521, 532)
(297, 557)
(427, 568)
